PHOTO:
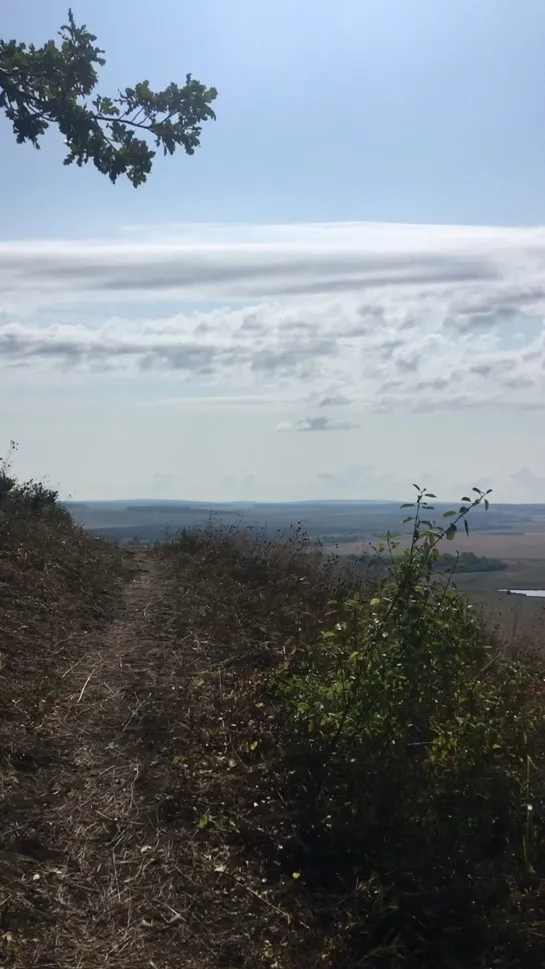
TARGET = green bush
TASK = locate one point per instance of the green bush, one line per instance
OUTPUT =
(415, 743)
(469, 562)
(19, 500)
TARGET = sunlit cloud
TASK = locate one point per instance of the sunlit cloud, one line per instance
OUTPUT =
(364, 316)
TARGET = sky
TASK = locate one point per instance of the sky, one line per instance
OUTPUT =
(341, 293)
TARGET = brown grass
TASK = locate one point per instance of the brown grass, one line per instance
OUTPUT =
(147, 819)
(58, 590)
(270, 893)
(126, 742)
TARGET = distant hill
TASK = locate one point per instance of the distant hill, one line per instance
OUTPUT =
(330, 521)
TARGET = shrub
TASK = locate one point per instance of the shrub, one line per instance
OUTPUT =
(20, 501)
(415, 745)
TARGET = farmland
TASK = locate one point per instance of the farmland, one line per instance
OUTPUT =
(514, 534)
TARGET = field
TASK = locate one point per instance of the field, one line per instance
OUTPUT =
(512, 546)
(513, 533)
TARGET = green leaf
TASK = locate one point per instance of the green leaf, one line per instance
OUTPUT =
(374, 602)
(465, 498)
(466, 526)
(449, 514)
(450, 532)
(407, 504)
(486, 504)
(51, 87)
(253, 745)
(203, 821)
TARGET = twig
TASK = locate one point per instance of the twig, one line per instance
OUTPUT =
(115, 876)
(266, 901)
(78, 661)
(84, 686)
(135, 711)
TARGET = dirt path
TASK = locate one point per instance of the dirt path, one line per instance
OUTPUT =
(104, 842)
(132, 835)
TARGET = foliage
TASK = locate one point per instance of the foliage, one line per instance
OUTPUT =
(469, 562)
(7, 481)
(51, 86)
(417, 751)
(28, 498)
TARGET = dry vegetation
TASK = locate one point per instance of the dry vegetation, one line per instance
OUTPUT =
(59, 590)
(215, 754)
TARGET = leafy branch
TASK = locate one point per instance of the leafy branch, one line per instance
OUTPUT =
(52, 85)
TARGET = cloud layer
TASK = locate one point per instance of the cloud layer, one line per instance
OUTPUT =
(268, 262)
(362, 315)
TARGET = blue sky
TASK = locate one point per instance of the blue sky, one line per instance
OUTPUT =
(340, 291)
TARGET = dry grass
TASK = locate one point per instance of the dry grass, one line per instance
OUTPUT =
(58, 590)
(133, 800)
(116, 743)
(147, 817)
(270, 894)
(231, 610)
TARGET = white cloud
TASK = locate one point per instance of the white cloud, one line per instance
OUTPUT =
(334, 400)
(263, 262)
(318, 423)
(374, 317)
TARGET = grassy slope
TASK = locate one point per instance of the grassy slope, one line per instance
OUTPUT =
(222, 832)
(325, 897)
(58, 588)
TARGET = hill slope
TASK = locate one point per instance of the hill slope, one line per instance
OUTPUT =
(228, 752)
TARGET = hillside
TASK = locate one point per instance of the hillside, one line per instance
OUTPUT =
(224, 751)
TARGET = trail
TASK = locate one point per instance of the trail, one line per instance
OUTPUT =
(106, 843)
